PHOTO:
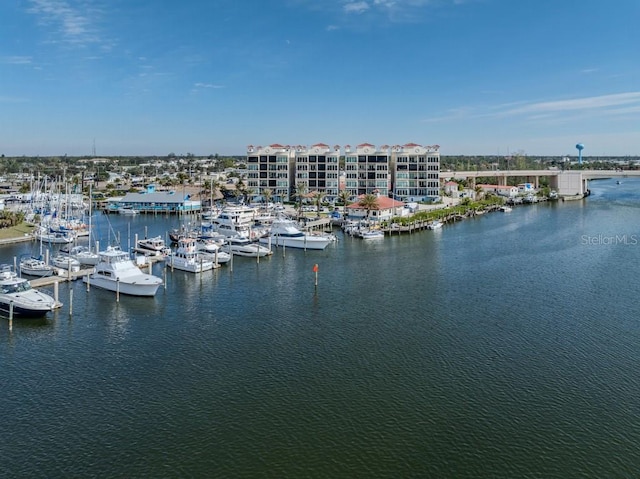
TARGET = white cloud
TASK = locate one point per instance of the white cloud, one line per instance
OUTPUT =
(71, 23)
(589, 103)
(9, 99)
(208, 85)
(16, 60)
(356, 7)
(617, 104)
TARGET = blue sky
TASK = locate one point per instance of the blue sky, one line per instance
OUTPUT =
(213, 76)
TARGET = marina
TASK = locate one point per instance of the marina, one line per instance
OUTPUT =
(482, 350)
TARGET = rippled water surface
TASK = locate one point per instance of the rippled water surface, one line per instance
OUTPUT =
(504, 346)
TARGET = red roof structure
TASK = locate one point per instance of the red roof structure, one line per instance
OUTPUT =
(384, 203)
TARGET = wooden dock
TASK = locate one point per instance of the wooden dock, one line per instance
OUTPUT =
(59, 278)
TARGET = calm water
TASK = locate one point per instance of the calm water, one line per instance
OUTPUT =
(504, 346)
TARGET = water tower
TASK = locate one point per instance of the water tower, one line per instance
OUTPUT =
(580, 147)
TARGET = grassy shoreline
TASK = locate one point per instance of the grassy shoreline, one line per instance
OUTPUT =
(16, 232)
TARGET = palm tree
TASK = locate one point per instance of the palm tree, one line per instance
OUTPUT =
(368, 202)
(344, 197)
(267, 194)
(318, 197)
(301, 191)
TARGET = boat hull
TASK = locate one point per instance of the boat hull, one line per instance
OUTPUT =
(190, 266)
(22, 311)
(300, 243)
(145, 287)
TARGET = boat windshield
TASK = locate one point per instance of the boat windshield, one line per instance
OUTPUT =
(20, 287)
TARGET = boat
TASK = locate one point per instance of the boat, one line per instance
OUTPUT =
(117, 272)
(435, 225)
(32, 266)
(237, 220)
(155, 246)
(212, 251)
(66, 262)
(241, 246)
(127, 211)
(506, 209)
(285, 232)
(19, 298)
(186, 257)
(372, 234)
(46, 235)
(82, 253)
(177, 233)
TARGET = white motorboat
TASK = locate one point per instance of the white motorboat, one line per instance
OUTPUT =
(372, 234)
(506, 209)
(237, 221)
(66, 262)
(155, 246)
(35, 267)
(245, 247)
(117, 272)
(212, 251)
(435, 225)
(187, 258)
(285, 232)
(83, 254)
(127, 211)
(17, 296)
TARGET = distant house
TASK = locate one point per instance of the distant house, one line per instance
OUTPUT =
(387, 209)
(526, 188)
(500, 190)
(451, 189)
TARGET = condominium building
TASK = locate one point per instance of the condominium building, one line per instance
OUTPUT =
(416, 172)
(270, 168)
(318, 169)
(409, 172)
(367, 170)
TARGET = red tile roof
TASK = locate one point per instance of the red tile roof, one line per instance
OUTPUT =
(384, 203)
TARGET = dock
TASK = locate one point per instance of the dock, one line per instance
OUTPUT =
(59, 278)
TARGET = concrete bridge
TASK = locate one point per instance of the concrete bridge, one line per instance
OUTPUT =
(570, 183)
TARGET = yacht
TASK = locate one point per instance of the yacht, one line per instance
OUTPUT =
(127, 211)
(117, 272)
(35, 267)
(211, 250)
(46, 235)
(187, 258)
(285, 232)
(241, 246)
(66, 262)
(17, 296)
(155, 246)
(82, 253)
(372, 234)
(237, 221)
